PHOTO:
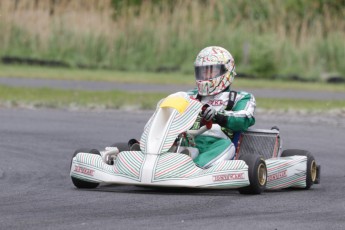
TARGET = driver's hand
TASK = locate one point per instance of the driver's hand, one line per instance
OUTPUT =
(209, 113)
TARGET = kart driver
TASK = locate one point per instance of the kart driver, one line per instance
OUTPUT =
(230, 111)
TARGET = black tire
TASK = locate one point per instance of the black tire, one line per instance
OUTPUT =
(81, 183)
(257, 173)
(312, 168)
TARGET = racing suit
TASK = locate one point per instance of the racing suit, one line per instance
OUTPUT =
(215, 144)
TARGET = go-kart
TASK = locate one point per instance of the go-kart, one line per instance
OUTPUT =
(159, 158)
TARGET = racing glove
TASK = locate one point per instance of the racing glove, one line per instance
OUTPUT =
(209, 113)
(220, 119)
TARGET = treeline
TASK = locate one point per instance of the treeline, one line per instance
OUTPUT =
(303, 38)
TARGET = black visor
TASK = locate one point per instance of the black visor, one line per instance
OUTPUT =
(209, 72)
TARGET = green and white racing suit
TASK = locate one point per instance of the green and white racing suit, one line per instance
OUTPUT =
(215, 144)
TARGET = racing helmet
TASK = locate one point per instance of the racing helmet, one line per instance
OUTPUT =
(214, 70)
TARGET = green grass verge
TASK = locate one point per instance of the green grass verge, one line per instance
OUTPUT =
(23, 71)
(300, 104)
(57, 98)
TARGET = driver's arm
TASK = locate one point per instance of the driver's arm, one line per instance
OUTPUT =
(242, 115)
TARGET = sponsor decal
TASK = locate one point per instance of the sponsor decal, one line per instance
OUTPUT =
(230, 176)
(83, 170)
(277, 176)
(215, 102)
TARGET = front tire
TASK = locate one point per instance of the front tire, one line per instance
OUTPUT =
(257, 173)
(81, 183)
(312, 168)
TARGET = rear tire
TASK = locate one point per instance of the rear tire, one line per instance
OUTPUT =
(257, 173)
(81, 183)
(132, 145)
(312, 168)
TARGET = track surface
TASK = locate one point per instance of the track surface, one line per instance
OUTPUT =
(37, 193)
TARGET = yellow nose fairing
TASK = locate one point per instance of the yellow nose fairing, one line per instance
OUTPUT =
(175, 102)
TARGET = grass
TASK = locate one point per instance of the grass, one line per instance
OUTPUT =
(56, 98)
(304, 38)
(300, 104)
(23, 71)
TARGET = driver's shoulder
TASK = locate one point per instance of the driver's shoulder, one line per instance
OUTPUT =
(239, 94)
(244, 95)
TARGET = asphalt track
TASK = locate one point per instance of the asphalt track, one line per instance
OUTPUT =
(37, 193)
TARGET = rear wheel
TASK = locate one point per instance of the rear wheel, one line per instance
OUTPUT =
(132, 145)
(81, 183)
(257, 173)
(313, 170)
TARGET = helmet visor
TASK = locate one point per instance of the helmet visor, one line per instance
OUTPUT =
(208, 72)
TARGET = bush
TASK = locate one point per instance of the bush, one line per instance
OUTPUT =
(303, 37)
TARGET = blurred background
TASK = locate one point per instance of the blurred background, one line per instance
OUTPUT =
(297, 39)
(88, 73)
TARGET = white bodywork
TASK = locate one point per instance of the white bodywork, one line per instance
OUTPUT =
(154, 165)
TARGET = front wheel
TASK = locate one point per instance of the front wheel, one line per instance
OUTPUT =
(257, 173)
(313, 170)
(81, 183)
